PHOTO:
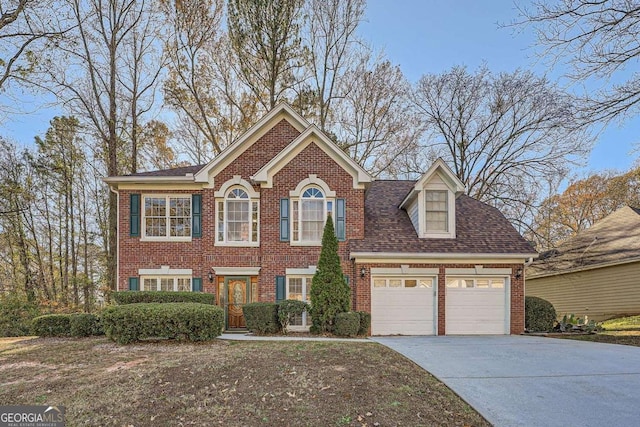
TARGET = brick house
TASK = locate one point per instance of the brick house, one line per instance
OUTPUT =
(421, 256)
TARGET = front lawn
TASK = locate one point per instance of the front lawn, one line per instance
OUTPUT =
(630, 323)
(226, 383)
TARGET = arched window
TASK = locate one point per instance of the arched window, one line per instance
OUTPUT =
(237, 220)
(309, 215)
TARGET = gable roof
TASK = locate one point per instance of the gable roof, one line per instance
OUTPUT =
(615, 239)
(481, 230)
(311, 135)
(247, 139)
(440, 168)
(179, 174)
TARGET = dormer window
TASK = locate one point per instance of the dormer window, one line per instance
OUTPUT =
(431, 204)
(436, 211)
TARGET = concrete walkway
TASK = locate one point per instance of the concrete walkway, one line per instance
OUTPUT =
(534, 381)
(251, 337)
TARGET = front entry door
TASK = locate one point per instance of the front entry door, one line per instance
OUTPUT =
(237, 295)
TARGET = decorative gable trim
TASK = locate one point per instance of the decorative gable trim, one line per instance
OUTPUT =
(311, 135)
(247, 139)
(445, 173)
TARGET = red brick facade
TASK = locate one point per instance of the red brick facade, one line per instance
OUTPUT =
(273, 256)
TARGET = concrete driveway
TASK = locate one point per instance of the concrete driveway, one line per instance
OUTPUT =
(534, 381)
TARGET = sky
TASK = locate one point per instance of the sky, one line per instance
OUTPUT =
(431, 36)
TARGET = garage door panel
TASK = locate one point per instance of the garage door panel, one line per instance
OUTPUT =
(402, 311)
(475, 311)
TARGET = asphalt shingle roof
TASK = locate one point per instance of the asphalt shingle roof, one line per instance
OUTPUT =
(615, 238)
(181, 171)
(480, 228)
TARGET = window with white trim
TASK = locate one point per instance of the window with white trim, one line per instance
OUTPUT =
(299, 288)
(309, 215)
(437, 213)
(167, 217)
(475, 283)
(396, 282)
(237, 218)
(165, 283)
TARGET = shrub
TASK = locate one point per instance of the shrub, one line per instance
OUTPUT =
(262, 317)
(287, 309)
(51, 325)
(16, 315)
(365, 322)
(181, 321)
(329, 293)
(136, 297)
(84, 325)
(347, 324)
(539, 314)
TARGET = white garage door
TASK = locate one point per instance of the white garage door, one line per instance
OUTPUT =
(402, 306)
(476, 306)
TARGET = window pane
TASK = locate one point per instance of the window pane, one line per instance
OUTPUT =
(180, 227)
(155, 226)
(468, 283)
(296, 226)
(220, 221)
(395, 283)
(379, 283)
(436, 211)
(237, 221)
(149, 284)
(166, 284)
(184, 284)
(497, 283)
(482, 283)
(410, 283)
(254, 222)
(453, 283)
(295, 288)
(426, 283)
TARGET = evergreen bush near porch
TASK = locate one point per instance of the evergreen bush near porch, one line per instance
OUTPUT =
(330, 293)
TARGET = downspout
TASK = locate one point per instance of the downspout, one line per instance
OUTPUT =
(113, 190)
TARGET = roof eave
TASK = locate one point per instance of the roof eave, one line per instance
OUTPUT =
(148, 179)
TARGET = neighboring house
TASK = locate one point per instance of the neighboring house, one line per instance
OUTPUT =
(421, 256)
(594, 274)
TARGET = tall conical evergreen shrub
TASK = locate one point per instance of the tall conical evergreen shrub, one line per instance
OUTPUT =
(330, 293)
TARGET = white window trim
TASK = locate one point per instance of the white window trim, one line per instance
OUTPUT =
(306, 285)
(475, 282)
(451, 212)
(296, 196)
(175, 278)
(167, 237)
(221, 197)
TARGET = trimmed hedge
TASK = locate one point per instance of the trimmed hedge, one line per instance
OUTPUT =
(365, 322)
(16, 315)
(51, 325)
(137, 297)
(84, 325)
(262, 317)
(539, 314)
(181, 321)
(347, 324)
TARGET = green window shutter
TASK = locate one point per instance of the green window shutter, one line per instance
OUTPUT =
(134, 215)
(340, 220)
(281, 292)
(196, 284)
(196, 215)
(133, 283)
(284, 220)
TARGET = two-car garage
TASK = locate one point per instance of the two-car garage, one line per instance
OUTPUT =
(407, 304)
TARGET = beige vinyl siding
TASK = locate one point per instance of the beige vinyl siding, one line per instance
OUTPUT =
(601, 293)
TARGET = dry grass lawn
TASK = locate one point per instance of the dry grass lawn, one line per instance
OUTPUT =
(226, 383)
(609, 337)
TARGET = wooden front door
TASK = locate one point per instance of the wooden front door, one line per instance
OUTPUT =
(236, 292)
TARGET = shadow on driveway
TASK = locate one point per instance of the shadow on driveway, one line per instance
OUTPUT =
(533, 381)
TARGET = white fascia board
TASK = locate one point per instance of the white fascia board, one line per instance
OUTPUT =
(423, 257)
(237, 147)
(148, 179)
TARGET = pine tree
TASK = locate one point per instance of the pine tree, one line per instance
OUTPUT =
(330, 293)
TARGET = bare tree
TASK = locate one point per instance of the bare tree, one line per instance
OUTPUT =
(375, 123)
(596, 39)
(265, 38)
(332, 42)
(27, 29)
(502, 134)
(95, 79)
